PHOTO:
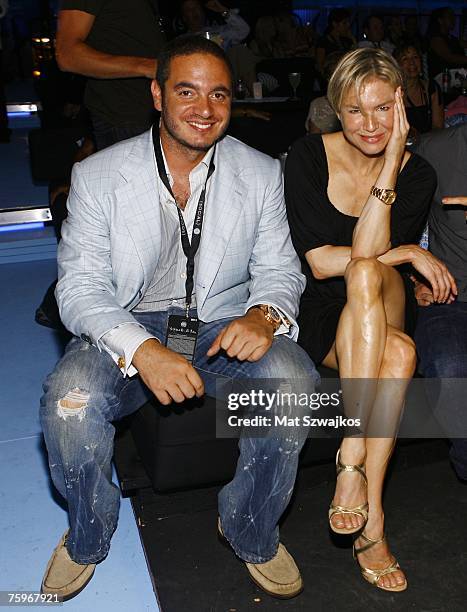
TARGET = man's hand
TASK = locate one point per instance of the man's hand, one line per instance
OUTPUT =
(169, 375)
(459, 200)
(442, 282)
(423, 294)
(247, 338)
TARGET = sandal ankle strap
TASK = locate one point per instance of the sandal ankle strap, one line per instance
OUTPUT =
(369, 543)
(342, 467)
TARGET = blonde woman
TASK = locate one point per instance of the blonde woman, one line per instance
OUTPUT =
(357, 203)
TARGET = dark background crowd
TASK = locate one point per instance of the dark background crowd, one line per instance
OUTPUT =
(267, 41)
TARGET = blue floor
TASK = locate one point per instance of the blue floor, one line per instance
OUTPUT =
(32, 515)
(16, 185)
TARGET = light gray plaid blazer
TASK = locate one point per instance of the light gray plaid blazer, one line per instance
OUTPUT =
(111, 239)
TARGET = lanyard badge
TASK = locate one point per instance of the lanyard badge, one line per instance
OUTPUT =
(182, 331)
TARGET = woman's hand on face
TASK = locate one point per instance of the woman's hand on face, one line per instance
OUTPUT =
(443, 285)
(400, 129)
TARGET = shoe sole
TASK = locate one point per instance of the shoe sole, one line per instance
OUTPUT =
(223, 540)
(69, 595)
(271, 593)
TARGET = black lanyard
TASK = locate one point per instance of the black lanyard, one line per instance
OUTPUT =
(190, 249)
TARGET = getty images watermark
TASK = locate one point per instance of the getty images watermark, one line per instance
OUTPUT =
(433, 408)
(266, 401)
(262, 408)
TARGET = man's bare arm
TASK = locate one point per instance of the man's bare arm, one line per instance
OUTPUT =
(75, 55)
(458, 200)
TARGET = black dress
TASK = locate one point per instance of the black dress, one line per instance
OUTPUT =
(315, 222)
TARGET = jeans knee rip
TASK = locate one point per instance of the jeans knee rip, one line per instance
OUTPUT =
(74, 404)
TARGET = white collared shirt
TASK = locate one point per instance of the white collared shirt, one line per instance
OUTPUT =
(167, 288)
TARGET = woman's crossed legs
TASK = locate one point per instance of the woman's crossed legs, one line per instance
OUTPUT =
(371, 347)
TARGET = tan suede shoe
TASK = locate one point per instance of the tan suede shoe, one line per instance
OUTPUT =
(63, 577)
(279, 577)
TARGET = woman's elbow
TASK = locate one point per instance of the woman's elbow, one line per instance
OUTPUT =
(318, 262)
(318, 273)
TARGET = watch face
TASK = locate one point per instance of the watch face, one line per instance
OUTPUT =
(274, 314)
(390, 198)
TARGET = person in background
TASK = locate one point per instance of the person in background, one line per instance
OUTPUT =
(115, 45)
(108, 42)
(4, 129)
(357, 203)
(281, 35)
(232, 31)
(412, 33)
(321, 118)
(423, 100)
(444, 50)
(441, 333)
(292, 40)
(337, 37)
(395, 30)
(373, 34)
(263, 42)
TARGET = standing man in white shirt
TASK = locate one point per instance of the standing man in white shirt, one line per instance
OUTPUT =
(178, 236)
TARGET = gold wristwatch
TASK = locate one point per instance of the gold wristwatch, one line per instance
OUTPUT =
(387, 196)
(272, 316)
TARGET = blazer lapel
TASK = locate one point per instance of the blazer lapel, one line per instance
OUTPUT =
(225, 203)
(139, 199)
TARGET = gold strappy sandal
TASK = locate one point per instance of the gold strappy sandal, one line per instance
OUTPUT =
(361, 510)
(373, 575)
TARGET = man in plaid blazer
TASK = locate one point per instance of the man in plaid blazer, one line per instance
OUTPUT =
(179, 233)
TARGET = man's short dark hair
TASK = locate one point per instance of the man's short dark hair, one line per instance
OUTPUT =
(188, 45)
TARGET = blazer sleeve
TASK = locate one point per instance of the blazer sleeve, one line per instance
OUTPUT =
(85, 291)
(274, 267)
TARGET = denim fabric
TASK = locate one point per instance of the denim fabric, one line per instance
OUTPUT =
(441, 339)
(80, 442)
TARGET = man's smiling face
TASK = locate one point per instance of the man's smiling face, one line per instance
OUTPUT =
(195, 101)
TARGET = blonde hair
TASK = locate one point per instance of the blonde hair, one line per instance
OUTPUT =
(358, 67)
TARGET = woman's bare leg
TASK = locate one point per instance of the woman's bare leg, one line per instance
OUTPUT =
(375, 293)
(396, 372)
(370, 346)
